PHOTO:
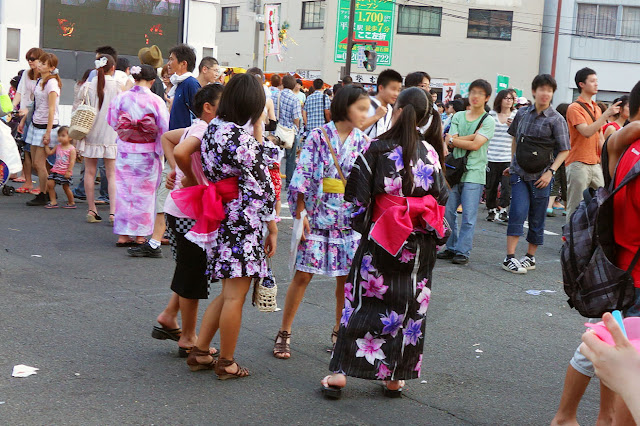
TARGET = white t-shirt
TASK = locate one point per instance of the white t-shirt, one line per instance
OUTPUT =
(122, 78)
(26, 88)
(41, 113)
(383, 124)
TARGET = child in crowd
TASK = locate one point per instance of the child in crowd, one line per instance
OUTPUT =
(62, 169)
(189, 282)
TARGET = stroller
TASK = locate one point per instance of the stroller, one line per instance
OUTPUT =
(10, 161)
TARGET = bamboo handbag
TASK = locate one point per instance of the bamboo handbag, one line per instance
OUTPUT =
(265, 291)
(82, 120)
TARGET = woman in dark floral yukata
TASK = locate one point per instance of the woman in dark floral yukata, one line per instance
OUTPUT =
(400, 214)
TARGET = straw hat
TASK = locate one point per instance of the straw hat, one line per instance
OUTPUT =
(151, 56)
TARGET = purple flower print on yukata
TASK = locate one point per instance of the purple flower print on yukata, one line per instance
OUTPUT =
(423, 175)
(396, 155)
(406, 256)
(412, 332)
(348, 291)
(370, 348)
(346, 313)
(374, 286)
(392, 323)
(433, 158)
(418, 365)
(393, 186)
(365, 266)
(383, 371)
(423, 299)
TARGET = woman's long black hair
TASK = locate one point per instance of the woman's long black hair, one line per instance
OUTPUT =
(416, 107)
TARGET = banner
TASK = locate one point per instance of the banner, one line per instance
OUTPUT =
(448, 92)
(464, 89)
(518, 92)
(373, 24)
(271, 40)
(502, 83)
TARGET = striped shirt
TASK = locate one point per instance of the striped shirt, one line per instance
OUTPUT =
(500, 144)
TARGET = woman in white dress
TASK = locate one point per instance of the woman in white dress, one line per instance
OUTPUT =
(101, 142)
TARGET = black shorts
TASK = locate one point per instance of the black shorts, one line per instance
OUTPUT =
(189, 279)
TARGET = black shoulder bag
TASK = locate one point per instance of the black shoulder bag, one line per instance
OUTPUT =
(456, 167)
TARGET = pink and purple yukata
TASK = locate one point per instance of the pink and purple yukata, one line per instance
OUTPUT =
(140, 117)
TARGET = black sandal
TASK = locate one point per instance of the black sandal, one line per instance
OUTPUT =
(389, 393)
(193, 363)
(282, 347)
(331, 392)
(223, 374)
(162, 333)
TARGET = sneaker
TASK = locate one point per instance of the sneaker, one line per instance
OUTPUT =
(503, 216)
(144, 250)
(79, 196)
(529, 263)
(513, 265)
(492, 215)
(446, 255)
(460, 259)
(38, 200)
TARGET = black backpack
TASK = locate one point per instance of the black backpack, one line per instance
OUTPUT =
(592, 281)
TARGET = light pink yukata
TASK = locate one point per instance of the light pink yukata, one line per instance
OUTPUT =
(138, 165)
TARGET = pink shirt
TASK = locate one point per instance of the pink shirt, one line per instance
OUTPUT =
(63, 159)
(41, 113)
(197, 130)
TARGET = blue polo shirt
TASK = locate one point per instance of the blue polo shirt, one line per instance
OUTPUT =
(180, 116)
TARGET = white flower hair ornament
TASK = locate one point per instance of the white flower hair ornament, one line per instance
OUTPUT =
(56, 71)
(135, 69)
(101, 62)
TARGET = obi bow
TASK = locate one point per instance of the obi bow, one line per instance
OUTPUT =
(143, 130)
(205, 204)
(396, 218)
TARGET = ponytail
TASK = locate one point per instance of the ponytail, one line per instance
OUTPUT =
(103, 64)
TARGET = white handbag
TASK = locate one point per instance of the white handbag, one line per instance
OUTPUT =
(287, 135)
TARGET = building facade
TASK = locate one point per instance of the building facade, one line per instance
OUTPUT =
(456, 41)
(72, 29)
(600, 34)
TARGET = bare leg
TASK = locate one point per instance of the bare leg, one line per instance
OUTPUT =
(110, 169)
(69, 194)
(340, 281)
(210, 322)
(90, 167)
(532, 249)
(189, 315)
(622, 414)
(159, 227)
(278, 207)
(575, 383)
(40, 164)
(169, 317)
(512, 244)
(26, 171)
(608, 407)
(52, 192)
(295, 293)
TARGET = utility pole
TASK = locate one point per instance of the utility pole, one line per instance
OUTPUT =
(256, 40)
(352, 17)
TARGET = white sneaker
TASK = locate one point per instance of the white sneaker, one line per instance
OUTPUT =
(529, 263)
(513, 265)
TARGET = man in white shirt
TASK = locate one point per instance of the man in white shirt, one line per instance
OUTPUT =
(381, 110)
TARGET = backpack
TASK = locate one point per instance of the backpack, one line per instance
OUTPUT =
(592, 281)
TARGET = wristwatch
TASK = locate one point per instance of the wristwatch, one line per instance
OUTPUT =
(553, 172)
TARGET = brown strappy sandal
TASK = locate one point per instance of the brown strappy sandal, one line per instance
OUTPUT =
(193, 363)
(282, 347)
(224, 375)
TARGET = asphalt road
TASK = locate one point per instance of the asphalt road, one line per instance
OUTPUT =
(80, 310)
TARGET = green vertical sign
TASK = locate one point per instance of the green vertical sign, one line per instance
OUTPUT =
(373, 24)
(503, 83)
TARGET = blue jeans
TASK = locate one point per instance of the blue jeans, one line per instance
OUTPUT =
(530, 202)
(468, 194)
(104, 184)
(290, 157)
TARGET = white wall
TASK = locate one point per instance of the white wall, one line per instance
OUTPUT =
(24, 15)
(201, 24)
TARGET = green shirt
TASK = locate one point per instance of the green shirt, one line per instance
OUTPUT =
(477, 162)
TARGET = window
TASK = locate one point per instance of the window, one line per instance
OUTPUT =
(312, 15)
(207, 51)
(13, 44)
(422, 20)
(596, 21)
(630, 22)
(230, 19)
(491, 24)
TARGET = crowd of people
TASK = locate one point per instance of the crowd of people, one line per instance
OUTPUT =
(377, 181)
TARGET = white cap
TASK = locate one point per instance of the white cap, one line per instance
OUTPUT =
(522, 100)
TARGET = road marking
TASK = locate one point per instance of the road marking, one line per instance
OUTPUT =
(526, 225)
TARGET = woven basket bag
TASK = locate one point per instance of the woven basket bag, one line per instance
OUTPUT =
(82, 120)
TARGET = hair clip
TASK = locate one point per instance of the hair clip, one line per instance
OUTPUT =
(135, 69)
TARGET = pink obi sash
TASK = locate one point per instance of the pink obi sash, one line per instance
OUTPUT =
(205, 204)
(144, 130)
(396, 218)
